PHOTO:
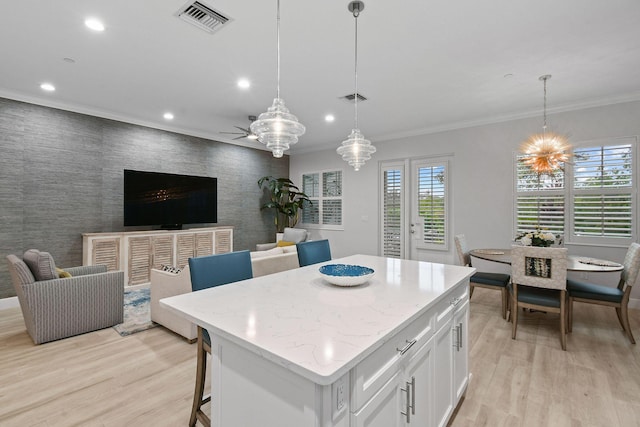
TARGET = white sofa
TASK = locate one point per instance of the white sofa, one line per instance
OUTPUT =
(166, 284)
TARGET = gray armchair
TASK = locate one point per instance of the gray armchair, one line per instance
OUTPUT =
(56, 308)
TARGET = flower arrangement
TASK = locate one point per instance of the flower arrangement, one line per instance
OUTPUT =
(536, 238)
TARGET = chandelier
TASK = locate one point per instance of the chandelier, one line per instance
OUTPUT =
(277, 128)
(356, 150)
(546, 152)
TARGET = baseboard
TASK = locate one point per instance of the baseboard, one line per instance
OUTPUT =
(11, 302)
(634, 303)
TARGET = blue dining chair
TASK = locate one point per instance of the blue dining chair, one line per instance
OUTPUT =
(483, 279)
(313, 252)
(207, 272)
(617, 297)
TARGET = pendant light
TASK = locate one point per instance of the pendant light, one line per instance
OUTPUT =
(355, 149)
(546, 152)
(277, 128)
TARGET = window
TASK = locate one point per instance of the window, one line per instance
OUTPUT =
(593, 201)
(603, 191)
(540, 200)
(325, 192)
(432, 203)
(392, 207)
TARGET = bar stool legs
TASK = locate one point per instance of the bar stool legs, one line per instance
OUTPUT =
(201, 372)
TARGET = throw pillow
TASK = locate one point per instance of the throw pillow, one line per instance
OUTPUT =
(62, 273)
(171, 269)
(295, 235)
(283, 243)
(41, 264)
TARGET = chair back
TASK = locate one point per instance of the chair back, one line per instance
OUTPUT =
(21, 275)
(631, 267)
(463, 250)
(219, 269)
(313, 252)
(539, 267)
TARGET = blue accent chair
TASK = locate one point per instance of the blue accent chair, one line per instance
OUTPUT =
(207, 272)
(617, 297)
(483, 279)
(313, 252)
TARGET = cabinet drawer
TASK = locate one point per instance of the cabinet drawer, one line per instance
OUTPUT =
(445, 308)
(374, 371)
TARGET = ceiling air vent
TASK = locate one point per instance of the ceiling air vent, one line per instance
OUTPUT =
(352, 96)
(202, 16)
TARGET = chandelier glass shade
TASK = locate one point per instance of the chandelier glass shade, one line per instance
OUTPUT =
(277, 128)
(546, 152)
(356, 150)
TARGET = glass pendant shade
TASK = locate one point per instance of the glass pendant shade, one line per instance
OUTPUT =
(356, 150)
(277, 128)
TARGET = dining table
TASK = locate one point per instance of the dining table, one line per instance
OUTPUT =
(574, 262)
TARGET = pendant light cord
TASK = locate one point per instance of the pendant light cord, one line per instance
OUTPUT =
(356, 13)
(544, 124)
(278, 50)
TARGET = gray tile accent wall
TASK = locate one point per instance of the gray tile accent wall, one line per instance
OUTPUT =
(61, 175)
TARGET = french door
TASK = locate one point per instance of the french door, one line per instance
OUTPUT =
(414, 207)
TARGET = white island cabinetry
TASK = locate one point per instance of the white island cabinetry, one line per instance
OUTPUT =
(289, 349)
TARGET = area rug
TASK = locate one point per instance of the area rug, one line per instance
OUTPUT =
(137, 312)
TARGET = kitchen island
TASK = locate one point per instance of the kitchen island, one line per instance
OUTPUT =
(290, 349)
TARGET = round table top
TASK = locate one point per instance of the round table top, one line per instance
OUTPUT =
(574, 262)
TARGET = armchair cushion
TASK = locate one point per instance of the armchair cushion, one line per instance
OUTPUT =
(295, 235)
(41, 264)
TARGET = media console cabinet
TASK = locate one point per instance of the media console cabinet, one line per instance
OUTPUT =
(137, 252)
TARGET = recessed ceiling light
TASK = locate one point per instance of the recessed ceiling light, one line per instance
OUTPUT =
(244, 84)
(94, 24)
(168, 116)
(48, 87)
(69, 60)
(508, 75)
(329, 118)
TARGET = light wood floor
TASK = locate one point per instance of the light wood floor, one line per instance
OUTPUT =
(146, 379)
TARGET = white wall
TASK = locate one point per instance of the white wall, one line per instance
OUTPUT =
(481, 179)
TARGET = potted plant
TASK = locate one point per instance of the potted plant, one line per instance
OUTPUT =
(285, 198)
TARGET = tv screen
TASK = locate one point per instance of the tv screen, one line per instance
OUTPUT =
(169, 200)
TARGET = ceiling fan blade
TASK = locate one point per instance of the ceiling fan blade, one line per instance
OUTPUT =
(240, 137)
(233, 133)
(247, 131)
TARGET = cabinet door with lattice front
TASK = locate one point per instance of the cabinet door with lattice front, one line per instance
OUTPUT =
(204, 243)
(224, 241)
(162, 247)
(185, 248)
(106, 252)
(139, 260)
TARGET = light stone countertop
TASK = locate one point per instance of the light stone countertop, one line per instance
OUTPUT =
(318, 330)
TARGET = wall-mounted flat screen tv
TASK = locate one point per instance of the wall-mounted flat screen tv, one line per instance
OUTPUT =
(169, 200)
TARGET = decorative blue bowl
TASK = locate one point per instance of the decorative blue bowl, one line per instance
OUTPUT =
(346, 274)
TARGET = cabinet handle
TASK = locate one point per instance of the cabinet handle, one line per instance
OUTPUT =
(406, 348)
(413, 395)
(456, 340)
(460, 337)
(408, 401)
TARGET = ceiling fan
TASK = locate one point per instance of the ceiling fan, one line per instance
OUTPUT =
(246, 133)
